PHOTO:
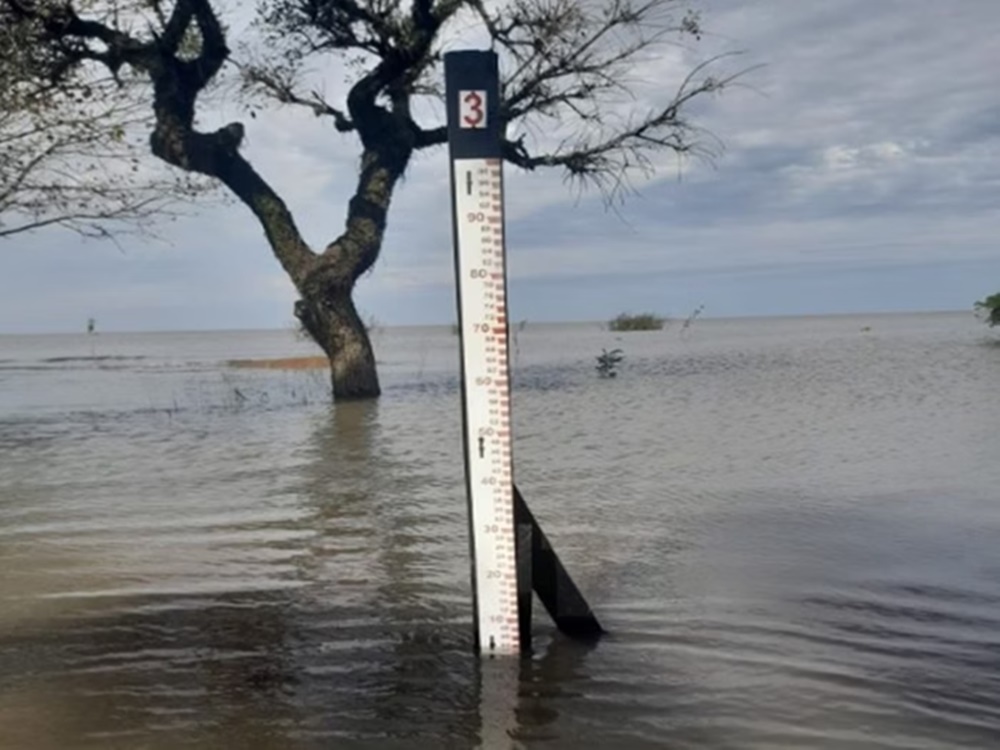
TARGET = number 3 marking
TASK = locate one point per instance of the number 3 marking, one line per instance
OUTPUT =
(473, 109)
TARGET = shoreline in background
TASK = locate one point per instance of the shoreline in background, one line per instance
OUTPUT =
(529, 322)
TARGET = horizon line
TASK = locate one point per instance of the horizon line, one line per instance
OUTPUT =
(291, 328)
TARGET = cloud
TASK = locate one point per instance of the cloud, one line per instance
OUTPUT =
(867, 144)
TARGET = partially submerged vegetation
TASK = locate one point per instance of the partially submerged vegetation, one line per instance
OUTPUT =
(691, 318)
(989, 309)
(640, 322)
(607, 362)
(284, 363)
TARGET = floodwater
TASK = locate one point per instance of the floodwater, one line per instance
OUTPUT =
(790, 528)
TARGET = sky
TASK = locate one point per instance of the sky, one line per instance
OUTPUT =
(861, 173)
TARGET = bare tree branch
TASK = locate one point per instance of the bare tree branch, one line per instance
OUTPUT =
(568, 66)
(607, 159)
(95, 225)
(571, 62)
(67, 155)
(177, 81)
(278, 84)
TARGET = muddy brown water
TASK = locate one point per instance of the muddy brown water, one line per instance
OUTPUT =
(790, 527)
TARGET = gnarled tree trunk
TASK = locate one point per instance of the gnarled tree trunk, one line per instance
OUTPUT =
(330, 318)
(378, 111)
(558, 63)
(326, 310)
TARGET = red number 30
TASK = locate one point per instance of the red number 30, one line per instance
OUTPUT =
(473, 112)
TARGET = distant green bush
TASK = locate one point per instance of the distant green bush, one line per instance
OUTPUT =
(989, 308)
(641, 322)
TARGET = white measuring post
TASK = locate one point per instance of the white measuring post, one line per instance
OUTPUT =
(511, 555)
(480, 266)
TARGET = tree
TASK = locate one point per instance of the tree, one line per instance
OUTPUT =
(67, 157)
(562, 62)
(989, 308)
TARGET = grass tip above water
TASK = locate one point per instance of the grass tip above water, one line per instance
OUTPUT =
(282, 363)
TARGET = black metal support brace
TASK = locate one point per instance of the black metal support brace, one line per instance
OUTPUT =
(539, 568)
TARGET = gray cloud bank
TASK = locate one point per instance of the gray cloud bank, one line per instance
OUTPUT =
(861, 172)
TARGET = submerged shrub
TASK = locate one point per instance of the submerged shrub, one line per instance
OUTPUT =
(640, 322)
(989, 308)
(607, 362)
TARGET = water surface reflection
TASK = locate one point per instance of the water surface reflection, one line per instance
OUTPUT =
(788, 527)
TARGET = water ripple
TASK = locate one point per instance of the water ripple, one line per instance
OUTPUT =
(789, 528)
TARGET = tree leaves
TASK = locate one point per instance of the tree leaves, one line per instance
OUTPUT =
(70, 142)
